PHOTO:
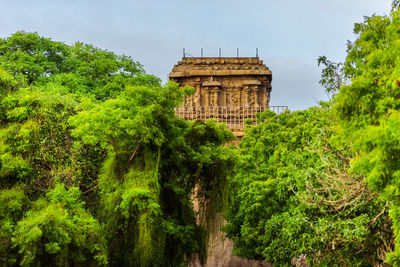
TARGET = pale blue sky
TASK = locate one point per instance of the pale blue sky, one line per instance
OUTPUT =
(290, 34)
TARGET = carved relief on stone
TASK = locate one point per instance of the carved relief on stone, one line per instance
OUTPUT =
(229, 97)
(232, 95)
(251, 98)
(236, 98)
(228, 82)
(197, 96)
(189, 100)
(213, 98)
(251, 89)
(212, 89)
(261, 97)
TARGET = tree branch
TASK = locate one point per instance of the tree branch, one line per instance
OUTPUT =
(135, 151)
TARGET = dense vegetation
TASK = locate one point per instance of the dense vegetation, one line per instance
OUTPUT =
(96, 169)
(294, 199)
(321, 186)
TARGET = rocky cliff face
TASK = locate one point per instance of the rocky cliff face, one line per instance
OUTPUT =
(218, 247)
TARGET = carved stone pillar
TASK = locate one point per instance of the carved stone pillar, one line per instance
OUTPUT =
(247, 93)
(255, 95)
(197, 96)
(208, 98)
(215, 100)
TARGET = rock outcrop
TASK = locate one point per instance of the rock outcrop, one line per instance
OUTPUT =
(218, 247)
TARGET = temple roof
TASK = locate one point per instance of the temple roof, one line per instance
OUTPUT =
(219, 66)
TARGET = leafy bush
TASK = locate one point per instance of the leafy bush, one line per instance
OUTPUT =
(293, 196)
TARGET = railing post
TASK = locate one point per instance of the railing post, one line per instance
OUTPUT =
(234, 117)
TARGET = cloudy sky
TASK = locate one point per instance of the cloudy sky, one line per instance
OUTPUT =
(289, 34)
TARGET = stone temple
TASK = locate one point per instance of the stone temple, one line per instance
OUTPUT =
(229, 89)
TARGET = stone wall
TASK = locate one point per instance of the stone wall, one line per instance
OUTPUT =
(218, 247)
(220, 81)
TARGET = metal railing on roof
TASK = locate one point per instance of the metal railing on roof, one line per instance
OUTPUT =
(233, 116)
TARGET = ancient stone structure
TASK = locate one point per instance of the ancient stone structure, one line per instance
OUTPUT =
(230, 89)
(224, 81)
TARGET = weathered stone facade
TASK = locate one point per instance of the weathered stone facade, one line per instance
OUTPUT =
(224, 81)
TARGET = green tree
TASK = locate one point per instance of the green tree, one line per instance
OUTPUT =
(95, 168)
(333, 76)
(368, 109)
(58, 231)
(14, 204)
(80, 67)
(293, 198)
(147, 178)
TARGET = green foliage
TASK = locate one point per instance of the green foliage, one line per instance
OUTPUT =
(7, 83)
(371, 63)
(368, 109)
(14, 203)
(292, 196)
(82, 68)
(35, 138)
(58, 231)
(395, 5)
(333, 76)
(139, 115)
(95, 168)
(130, 204)
(154, 161)
(31, 56)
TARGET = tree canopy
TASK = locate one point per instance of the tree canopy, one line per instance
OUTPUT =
(95, 168)
(368, 109)
(294, 198)
(321, 186)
